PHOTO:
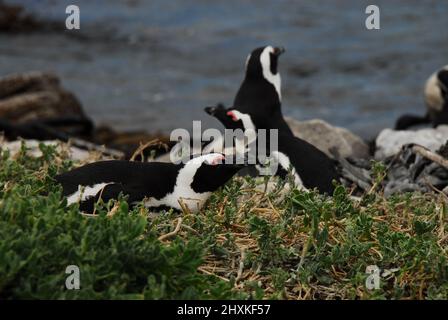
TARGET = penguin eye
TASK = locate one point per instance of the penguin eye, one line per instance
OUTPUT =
(216, 160)
(232, 115)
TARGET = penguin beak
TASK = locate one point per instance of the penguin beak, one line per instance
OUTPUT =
(278, 51)
(210, 110)
(214, 109)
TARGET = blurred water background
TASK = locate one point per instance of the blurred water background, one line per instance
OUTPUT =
(155, 64)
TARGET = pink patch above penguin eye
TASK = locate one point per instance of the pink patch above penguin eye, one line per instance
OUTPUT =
(232, 115)
(217, 160)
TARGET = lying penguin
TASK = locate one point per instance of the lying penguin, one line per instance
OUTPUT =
(159, 184)
(436, 98)
(310, 167)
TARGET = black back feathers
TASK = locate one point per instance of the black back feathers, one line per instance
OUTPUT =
(259, 96)
(315, 168)
(162, 184)
(153, 179)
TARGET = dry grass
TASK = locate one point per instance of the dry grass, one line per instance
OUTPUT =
(257, 239)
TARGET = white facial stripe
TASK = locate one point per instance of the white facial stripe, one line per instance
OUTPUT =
(285, 163)
(249, 126)
(86, 192)
(245, 118)
(275, 80)
(182, 190)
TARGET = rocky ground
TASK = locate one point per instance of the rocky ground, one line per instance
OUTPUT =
(248, 242)
(36, 106)
(255, 238)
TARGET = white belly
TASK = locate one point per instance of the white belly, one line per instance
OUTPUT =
(194, 201)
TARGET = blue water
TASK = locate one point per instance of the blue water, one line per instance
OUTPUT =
(154, 65)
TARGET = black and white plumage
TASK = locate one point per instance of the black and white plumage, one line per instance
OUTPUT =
(436, 98)
(259, 95)
(260, 92)
(158, 184)
(310, 166)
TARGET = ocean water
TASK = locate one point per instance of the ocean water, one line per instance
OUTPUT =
(155, 64)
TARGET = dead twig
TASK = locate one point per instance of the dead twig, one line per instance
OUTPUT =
(241, 266)
(434, 157)
(94, 147)
(142, 147)
(174, 232)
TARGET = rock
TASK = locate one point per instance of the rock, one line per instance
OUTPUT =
(35, 106)
(36, 95)
(32, 81)
(14, 19)
(389, 142)
(325, 136)
(129, 141)
(415, 168)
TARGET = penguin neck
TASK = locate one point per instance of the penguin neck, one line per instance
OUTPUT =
(275, 80)
(272, 79)
(245, 118)
(186, 174)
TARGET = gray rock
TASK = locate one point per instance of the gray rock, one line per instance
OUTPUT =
(325, 136)
(389, 142)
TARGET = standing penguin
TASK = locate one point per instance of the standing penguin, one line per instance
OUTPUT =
(436, 98)
(260, 93)
(159, 184)
(310, 167)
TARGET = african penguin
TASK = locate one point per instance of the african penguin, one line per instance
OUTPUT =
(260, 92)
(436, 98)
(159, 184)
(258, 96)
(310, 167)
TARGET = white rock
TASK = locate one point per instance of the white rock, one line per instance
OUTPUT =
(389, 142)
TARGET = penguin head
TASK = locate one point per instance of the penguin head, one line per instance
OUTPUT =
(263, 60)
(436, 90)
(214, 171)
(231, 118)
(242, 120)
(262, 63)
(221, 114)
(442, 76)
